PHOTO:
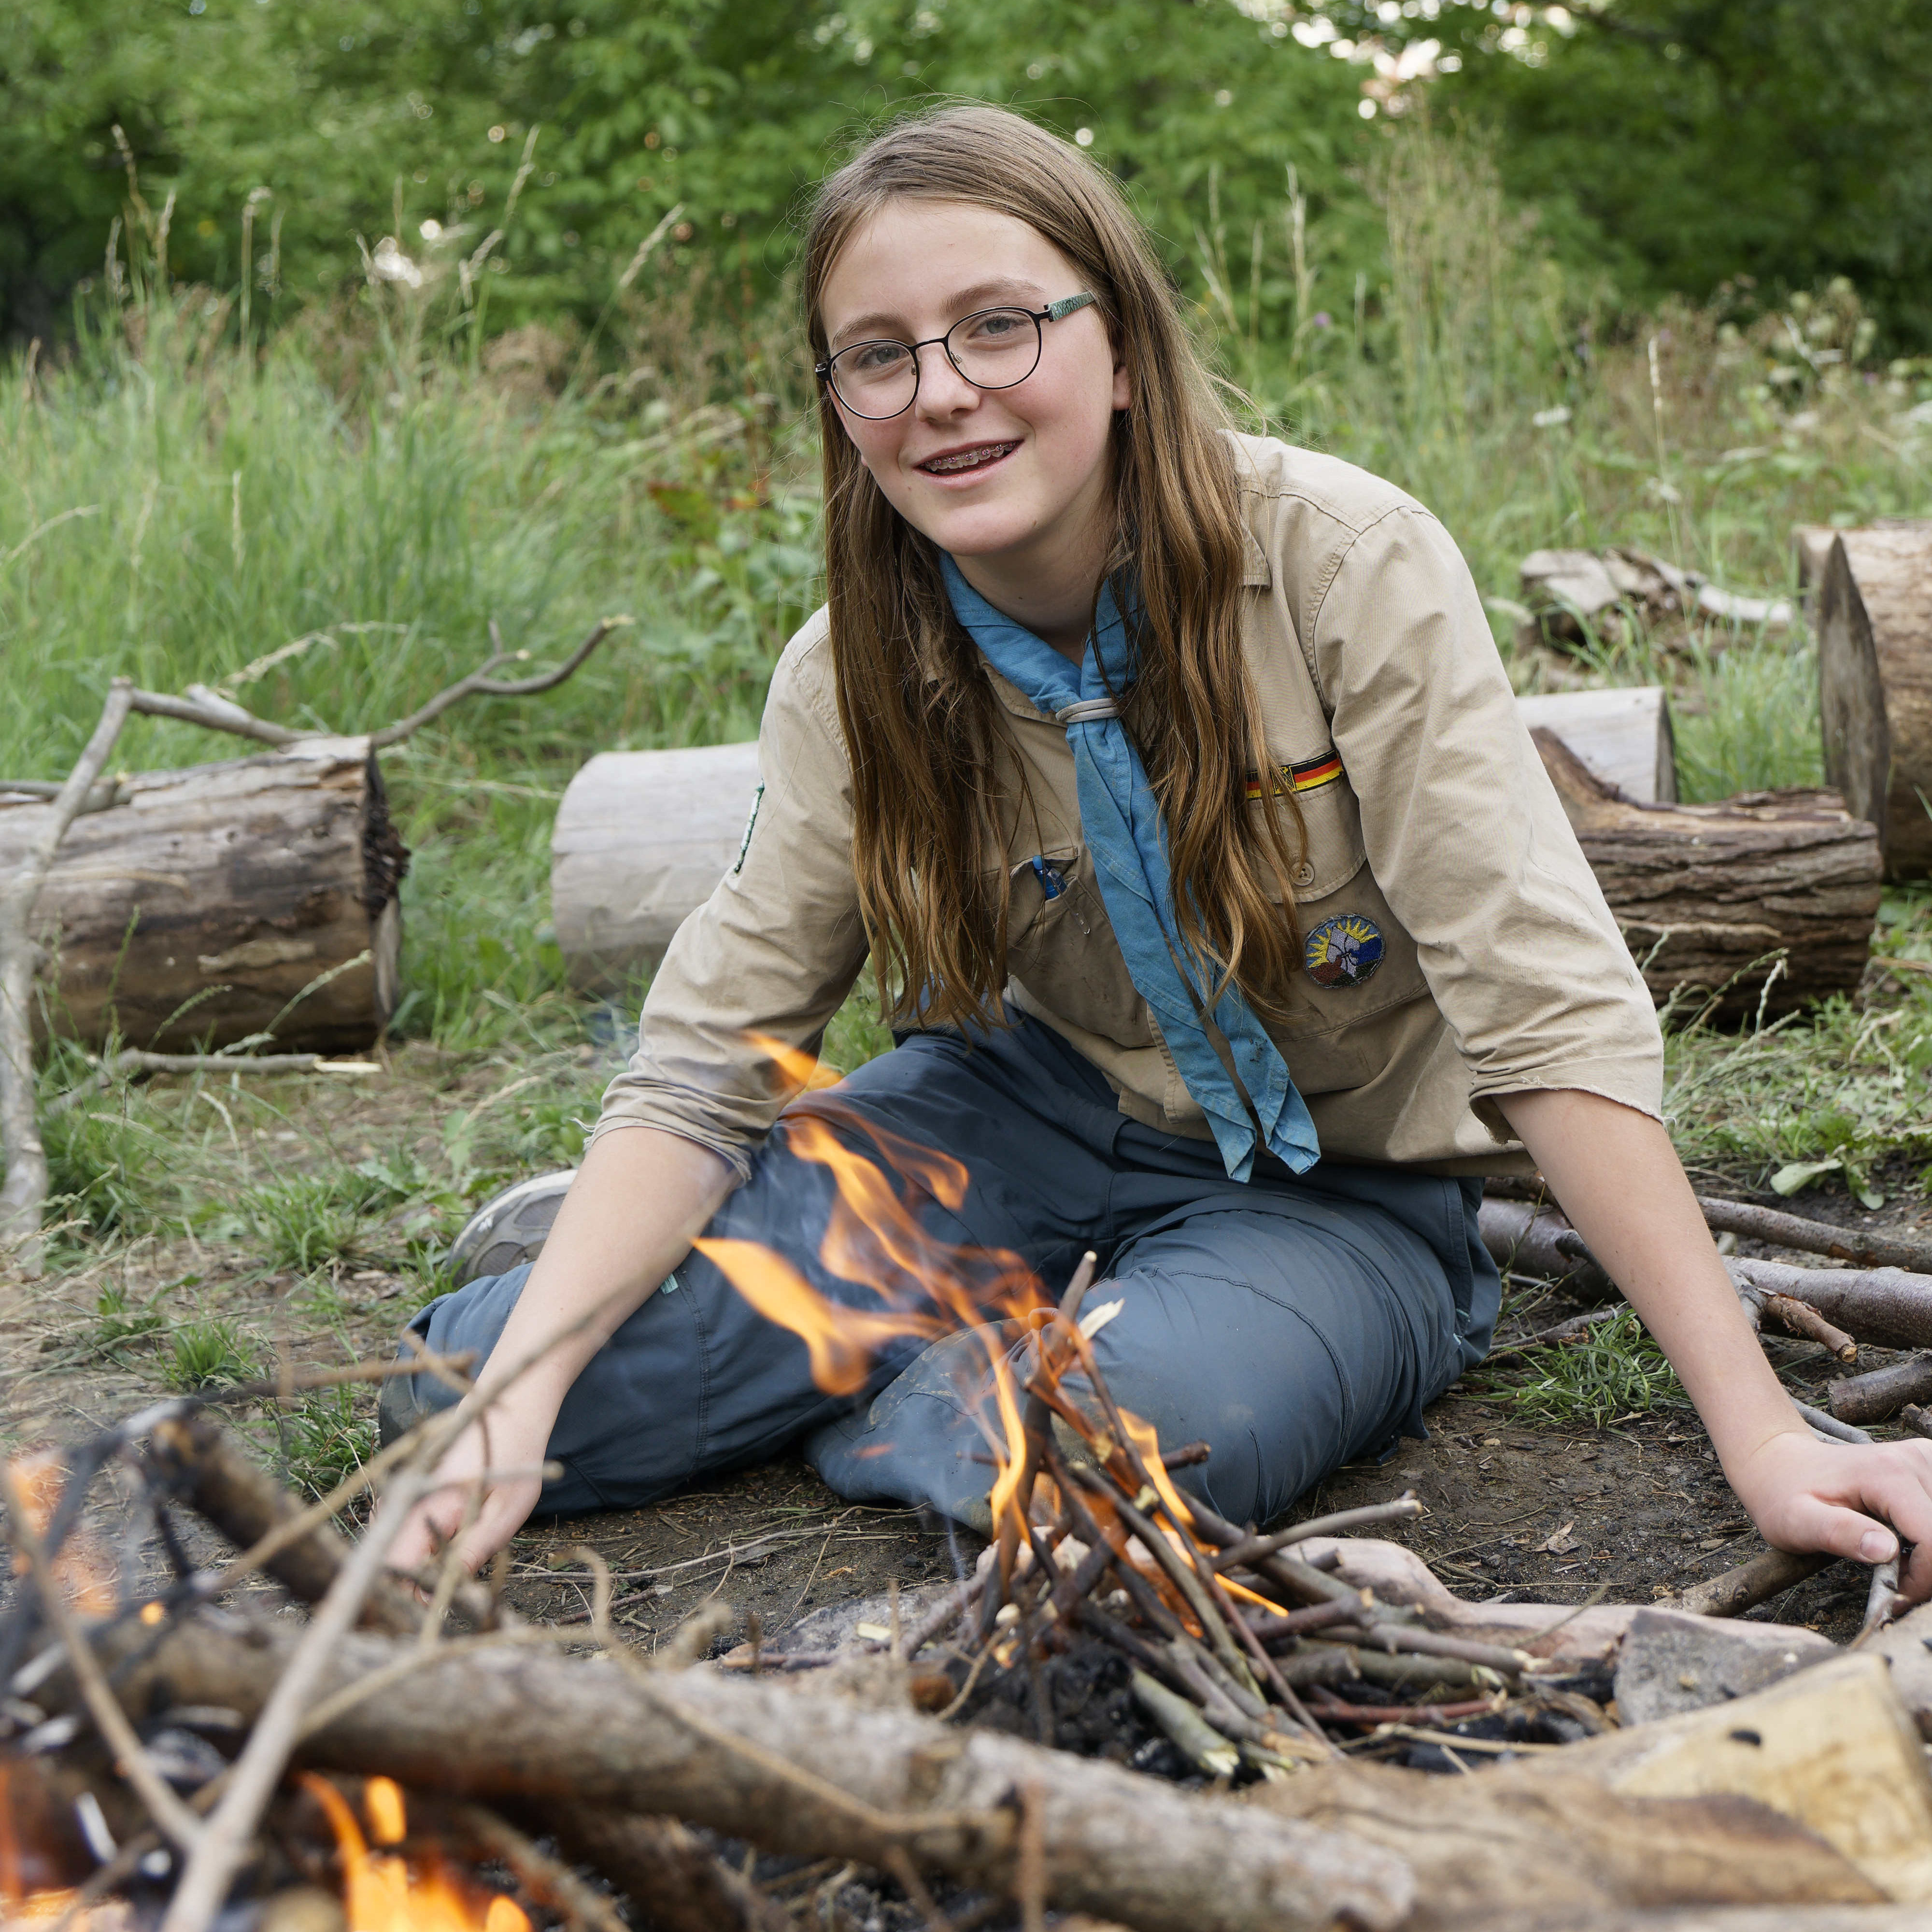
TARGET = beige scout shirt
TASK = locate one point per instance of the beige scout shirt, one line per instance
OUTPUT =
(1502, 969)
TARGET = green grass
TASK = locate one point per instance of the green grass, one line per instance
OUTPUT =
(322, 1440)
(1611, 1372)
(206, 1354)
(120, 1318)
(358, 511)
(309, 1219)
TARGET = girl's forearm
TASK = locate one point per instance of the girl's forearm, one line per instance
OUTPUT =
(1619, 1181)
(640, 1198)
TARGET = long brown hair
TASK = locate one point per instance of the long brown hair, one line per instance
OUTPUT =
(921, 720)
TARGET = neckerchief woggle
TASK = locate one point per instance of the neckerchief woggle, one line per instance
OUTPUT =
(1121, 820)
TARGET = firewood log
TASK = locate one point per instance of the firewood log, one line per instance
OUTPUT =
(642, 837)
(786, 1770)
(1705, 894)
(1538, 1837)
(1874, 626)
(200, 902)
(1623, 736)
(1679, 1812)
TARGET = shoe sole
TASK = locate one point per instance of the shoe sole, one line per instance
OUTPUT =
(509, 1230)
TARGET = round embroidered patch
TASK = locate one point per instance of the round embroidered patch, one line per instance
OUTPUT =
(1342, 951)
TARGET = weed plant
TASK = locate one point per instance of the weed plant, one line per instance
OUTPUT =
(1611, 1371)
(206, 1354)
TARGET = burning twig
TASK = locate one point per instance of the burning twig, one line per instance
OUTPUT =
(218, 1852)
(130, 1755)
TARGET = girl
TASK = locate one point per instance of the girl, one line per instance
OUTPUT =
(1171, 778)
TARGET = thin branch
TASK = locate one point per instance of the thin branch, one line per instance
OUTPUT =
(24, 1194)
(479, 682)
(137, 1060)
(219, 715)
(223, 1843)
(101, 798)
(130, 1755)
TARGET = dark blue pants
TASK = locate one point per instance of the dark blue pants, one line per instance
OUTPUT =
(1293, 1323)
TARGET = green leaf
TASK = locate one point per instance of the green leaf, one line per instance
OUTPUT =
(1799, 1173)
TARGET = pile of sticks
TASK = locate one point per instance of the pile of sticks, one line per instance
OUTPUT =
(1239, 1649)
(153, 1735)
(1880, 1295)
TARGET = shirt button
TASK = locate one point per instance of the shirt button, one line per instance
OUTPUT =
(1303, 874)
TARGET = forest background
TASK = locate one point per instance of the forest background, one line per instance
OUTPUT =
(336, 330)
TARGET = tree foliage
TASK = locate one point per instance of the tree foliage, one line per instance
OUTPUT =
(368, 117)
(1682, 145)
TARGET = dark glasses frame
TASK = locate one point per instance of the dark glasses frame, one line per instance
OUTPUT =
(1055, 311)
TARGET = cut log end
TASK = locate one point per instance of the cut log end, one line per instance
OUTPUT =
(1874, 606)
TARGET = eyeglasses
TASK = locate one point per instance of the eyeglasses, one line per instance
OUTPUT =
(991, 348)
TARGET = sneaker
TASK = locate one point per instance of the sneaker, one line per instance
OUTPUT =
(509, 1229)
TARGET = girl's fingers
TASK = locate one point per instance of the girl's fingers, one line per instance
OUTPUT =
(1860, 1504)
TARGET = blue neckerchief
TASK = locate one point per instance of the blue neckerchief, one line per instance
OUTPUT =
(1121, 820)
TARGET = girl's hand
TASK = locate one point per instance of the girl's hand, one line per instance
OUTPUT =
(513, 1435)
(1806, 1495)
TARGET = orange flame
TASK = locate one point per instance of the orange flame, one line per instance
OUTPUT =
(876, 1238)
(33, 1860)
(382, 1892)
(81, 1567)
(841, 1341)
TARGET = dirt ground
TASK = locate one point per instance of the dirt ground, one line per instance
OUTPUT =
(1633, 1510)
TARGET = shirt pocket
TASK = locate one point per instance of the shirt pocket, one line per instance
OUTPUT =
(1355, 958)
(1061, 947)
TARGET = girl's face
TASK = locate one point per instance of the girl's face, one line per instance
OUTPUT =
(1017, 478)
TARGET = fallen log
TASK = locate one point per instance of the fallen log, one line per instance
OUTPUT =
(1879, 1395)
(217, 901)
(642, 838)
(1765, 901)
(1875, 684)
(1623, 735)
(784, 1770)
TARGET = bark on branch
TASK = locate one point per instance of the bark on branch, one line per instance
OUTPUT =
(792, 1772)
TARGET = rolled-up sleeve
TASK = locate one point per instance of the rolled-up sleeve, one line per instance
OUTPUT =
(1464, 831)
(770, 955)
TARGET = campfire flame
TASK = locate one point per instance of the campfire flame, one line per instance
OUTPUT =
(26, 1898)
(385, 1892)
(80, 1568)
(924, 1287)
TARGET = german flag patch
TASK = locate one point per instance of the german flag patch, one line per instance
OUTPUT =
(1310, 775)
